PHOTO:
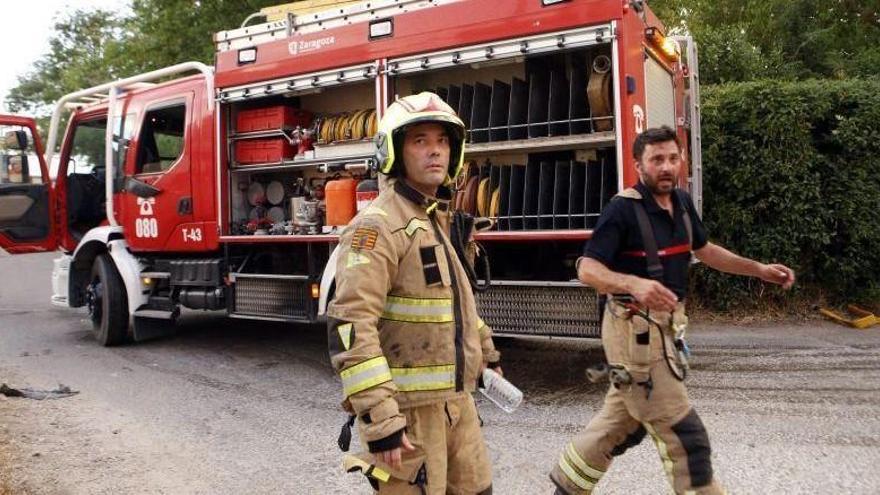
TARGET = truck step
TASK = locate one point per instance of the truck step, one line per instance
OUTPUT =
(149, 324)
(156, 314)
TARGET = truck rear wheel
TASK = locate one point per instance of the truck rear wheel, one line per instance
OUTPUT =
(107, 302)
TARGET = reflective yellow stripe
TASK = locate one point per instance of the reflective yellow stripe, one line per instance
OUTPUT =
(365, 375)
(573, 475)
(351, 463)
(418, 310)
(663, 450)
(414, 301)
(417, 319)
(582, 465)
(422, 378)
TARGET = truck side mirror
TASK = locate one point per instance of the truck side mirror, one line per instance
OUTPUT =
(17, 169)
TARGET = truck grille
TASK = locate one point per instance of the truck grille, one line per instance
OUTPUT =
(283, 297)
(522, 308)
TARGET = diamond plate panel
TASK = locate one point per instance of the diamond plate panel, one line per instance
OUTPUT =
(271, 297)
(564, 311)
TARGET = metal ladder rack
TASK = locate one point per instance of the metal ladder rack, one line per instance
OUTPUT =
(249, 36)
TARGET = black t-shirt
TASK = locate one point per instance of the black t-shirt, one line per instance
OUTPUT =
(617, 236)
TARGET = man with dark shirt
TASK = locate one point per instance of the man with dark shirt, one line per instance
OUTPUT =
(639, 257)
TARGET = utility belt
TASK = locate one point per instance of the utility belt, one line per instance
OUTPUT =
(628, 327)
(635, 338)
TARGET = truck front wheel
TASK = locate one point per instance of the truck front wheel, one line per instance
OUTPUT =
(107, 302)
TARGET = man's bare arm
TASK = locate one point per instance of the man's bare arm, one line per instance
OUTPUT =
(651, 293)
(723, 260)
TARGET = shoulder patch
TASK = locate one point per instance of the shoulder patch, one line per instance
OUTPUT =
(414, 225)
(364, 239)
(356, 258)
(345, 334)
(375, 210)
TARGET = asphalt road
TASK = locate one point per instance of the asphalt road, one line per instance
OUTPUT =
(232, 406)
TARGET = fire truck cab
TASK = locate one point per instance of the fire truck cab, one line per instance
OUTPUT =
(227, 189)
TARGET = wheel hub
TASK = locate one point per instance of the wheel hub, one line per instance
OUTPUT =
(94, 300)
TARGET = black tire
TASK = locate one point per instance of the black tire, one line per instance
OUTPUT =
(107, 302)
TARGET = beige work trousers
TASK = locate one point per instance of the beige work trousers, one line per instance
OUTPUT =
(655, 404)
(450, 455)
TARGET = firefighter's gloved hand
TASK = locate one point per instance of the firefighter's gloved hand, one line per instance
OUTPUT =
(494, 366)
(393, 457)
(382, 426)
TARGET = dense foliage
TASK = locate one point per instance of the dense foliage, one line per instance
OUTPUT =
(792, 173)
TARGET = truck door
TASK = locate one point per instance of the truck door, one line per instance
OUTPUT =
(26, 196)
(157, 203)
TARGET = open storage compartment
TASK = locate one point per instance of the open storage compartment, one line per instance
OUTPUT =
(540, 139)
(297, 161)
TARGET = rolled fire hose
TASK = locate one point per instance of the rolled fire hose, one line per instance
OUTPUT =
(469, 201)
(483, 198)
(495, 203)
(356, 125)
(599, 93)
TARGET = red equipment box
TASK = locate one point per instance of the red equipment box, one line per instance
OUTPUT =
(272, 118)
(255, 151)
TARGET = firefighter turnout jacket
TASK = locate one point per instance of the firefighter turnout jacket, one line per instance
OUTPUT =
(403, 326)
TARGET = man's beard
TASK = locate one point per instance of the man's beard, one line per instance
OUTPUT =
(656, 188)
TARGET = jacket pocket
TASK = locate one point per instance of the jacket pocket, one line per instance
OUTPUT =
(626, 339)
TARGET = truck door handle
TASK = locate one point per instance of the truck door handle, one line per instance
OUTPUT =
(140, 188)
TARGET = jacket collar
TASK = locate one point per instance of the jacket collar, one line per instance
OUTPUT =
(429, 204)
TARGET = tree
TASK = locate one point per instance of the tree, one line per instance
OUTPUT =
(742, 40)
(166, 32)
(79, 50)
(92, 47)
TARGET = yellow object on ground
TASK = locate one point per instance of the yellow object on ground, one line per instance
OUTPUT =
(862, 317)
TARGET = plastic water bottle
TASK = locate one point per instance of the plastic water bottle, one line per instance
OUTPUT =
(500, 391)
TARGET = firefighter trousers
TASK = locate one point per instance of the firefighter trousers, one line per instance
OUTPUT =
(655, 404)
(450, 455)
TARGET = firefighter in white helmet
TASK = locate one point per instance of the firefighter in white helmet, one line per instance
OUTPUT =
(404, 333)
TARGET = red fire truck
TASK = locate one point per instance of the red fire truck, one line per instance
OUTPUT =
(226, 188)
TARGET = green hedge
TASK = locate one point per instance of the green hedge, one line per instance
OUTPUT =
(791, 173)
